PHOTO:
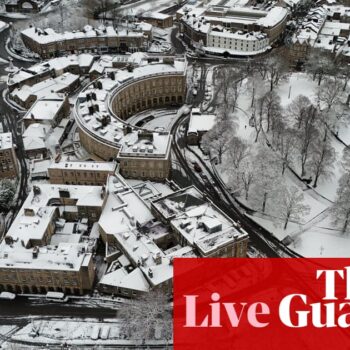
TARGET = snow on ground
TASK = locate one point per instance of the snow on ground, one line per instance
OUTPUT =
(328, 187)
(160, 120)
(66, 330)
(87, 333)
(3, 26)
(13, 15)
(298, 84)
(161, 123)
(318, 241)
(5, 329)
(344, 134)
(314, 235)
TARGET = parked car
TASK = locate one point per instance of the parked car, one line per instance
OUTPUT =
(7, 296)
(56, 297)
(197, 167)
(204, 177)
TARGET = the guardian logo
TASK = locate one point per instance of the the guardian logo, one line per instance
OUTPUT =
(267, 304)
(257, 313)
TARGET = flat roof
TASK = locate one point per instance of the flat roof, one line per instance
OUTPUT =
(64, 256)
(6, 141)
(45, 108)
(201, 122)
(91, 166)
(49, 35)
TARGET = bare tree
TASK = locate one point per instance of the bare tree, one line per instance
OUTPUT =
(345, 162)
(242, 178)
(329, 92)
(227, 89)
(217, 140)
(297, 109)
(7, 194)
(286, 146)
(246, 176)
(322, 160)
(273, 69)
(343, 73)
(319, 65)
(140, 318)
(341, 207)
(267, 177)
(238, 151)
(307, 135)
(270, 105)
(257, 118)
(292, 206)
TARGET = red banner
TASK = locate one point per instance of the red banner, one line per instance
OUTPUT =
(264, 304)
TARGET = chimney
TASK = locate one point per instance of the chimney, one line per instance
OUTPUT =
(35, 252)
(157, 258)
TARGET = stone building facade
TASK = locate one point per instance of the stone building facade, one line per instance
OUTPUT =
(154, 92)
(157, 19)
(142, 154)
(8, 159)
(47, 43)
(48, 246)
(81, 173)
(33, 280)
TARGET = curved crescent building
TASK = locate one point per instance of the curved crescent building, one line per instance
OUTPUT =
(103, 107)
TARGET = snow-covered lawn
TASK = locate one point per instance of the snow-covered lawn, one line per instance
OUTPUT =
(298, 84)
(314, 234)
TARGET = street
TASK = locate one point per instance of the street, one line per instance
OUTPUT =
(21, 309)
(8, 119)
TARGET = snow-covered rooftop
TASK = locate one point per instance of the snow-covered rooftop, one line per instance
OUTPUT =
(44, 88)
(274, 16)
(200, 18)
(311, 26)
(121, 278)
(239, 35)
(201, 122)
(64, 256)
(6, 141)
(36, 214)
(57, 64)
(34, 137)
(198, 220)
(49, 35)
(111, 131)
(92, 166)
(155, 15)
(46, 108)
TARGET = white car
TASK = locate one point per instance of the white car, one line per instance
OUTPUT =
(194, 92)
(7, 296)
